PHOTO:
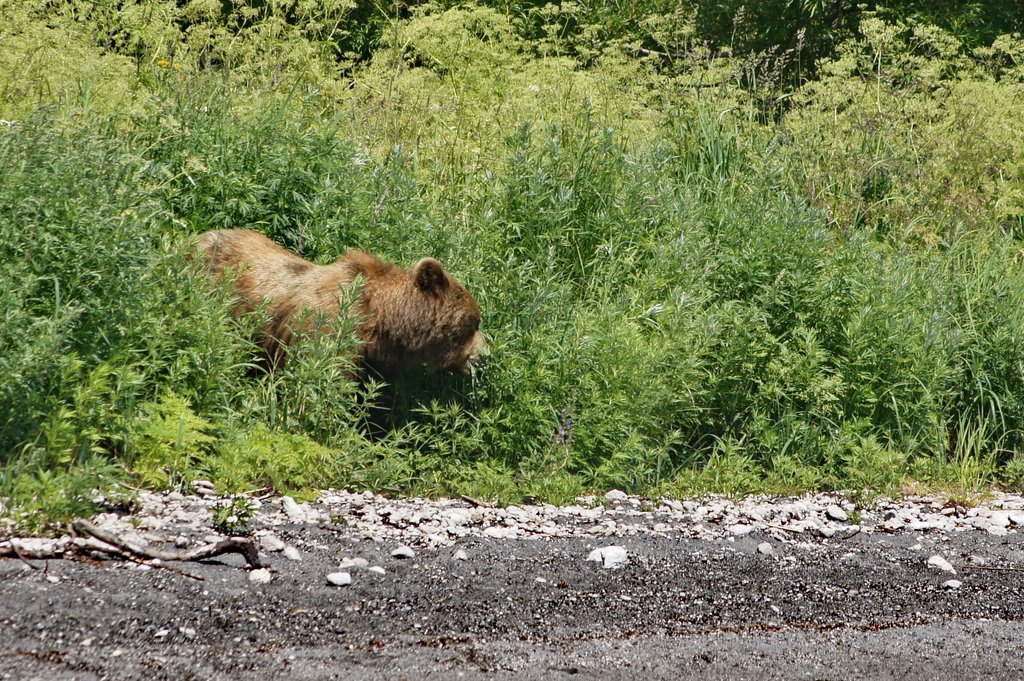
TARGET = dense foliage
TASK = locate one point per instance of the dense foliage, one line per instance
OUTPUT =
(716, 247)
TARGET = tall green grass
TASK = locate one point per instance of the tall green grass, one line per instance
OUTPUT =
(679, 298)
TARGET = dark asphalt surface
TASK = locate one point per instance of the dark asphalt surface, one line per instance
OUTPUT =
(864, 607)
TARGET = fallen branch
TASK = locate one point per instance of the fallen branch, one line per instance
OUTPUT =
(244, 547)
(21, 556)
(678, 55)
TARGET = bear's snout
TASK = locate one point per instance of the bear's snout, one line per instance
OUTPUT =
(479, 350)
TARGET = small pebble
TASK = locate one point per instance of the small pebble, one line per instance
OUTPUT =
(765, 549)
(941, 563)
(403, 552)
(271, 543)
(260, 576)
(610, 557)
(353, 562)
(339, 579)
(836, 513)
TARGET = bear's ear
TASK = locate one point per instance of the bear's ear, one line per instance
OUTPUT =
(430, 276)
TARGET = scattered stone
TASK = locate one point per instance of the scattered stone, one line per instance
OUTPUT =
(291, 553)
(204, 488)
(616, 497)
(765, 549)
(260, 576)
(271, 543)
(740, 530)
(459, 555)
(941, 563)
(836, 513)
(52, 579)
(610, 557)
(297, 513)
(339, 579)
(353, 562)
(951, 584)
(496, 532)
(893, 524)
(376, 569)
(403, 552)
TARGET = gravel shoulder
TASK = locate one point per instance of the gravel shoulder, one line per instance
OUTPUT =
(699, 596)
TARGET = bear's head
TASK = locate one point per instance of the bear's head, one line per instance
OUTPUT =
(422, 316)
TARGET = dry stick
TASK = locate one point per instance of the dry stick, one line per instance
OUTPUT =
(244, 547)
(677, 55)
(22, 557)
(152, 563)
(476, 502)
(380, 204)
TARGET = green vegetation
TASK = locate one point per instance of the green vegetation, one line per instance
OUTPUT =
(712, 252)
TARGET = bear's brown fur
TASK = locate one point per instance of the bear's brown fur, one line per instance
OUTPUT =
(408, 317)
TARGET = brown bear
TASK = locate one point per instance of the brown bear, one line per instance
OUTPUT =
(408, 317)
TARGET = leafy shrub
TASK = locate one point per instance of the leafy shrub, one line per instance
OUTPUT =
(680, 295)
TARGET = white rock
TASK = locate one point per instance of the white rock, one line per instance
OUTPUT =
(339, 579)
(951, 584)
(826, 531)
(376, 569)
(353, 562)
(260, 576)
(616, 496)
(836, 513)
(740, 530)
(673, 505)
(1000, 518)
(292, 553)
(271, 543)
(459, 555)
(941, 563)
(997, 530)
(297, 513)
(765, 549)
(403, 551)
(52, 579)
(610, 557)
